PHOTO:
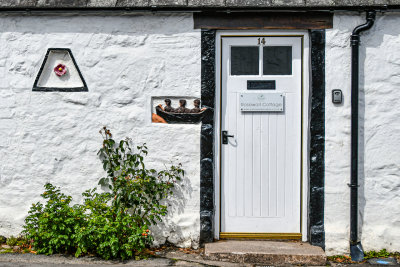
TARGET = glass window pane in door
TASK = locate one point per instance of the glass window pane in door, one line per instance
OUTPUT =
(244, 60)
(277, 60)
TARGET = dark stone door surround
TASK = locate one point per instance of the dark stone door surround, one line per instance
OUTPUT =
(316, 231)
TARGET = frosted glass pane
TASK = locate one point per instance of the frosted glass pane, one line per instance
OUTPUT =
(244, 60)
(277, 60)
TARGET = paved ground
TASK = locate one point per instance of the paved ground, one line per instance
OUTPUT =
(166, 259)
(171, 257)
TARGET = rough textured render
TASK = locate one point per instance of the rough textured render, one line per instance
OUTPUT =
(379, 174)
(54, 136)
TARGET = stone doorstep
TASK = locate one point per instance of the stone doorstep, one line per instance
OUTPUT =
(263, 252)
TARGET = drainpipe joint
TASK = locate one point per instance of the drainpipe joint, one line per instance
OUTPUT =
(355, 40)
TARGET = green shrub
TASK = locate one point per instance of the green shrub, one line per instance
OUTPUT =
(112, 224)
(109, 233)
(134, 187)
(51, 226)
(12, 241)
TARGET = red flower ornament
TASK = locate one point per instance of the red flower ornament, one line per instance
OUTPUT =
(60, 70)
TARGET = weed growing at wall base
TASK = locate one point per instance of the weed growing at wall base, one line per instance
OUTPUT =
(112, 224)
(383, 253)
(344, 259)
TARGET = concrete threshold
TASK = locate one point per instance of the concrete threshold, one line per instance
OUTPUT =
(262, 252)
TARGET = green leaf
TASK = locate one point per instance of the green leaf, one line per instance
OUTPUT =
(102, 181)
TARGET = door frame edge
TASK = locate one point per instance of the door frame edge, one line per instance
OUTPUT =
(207, 159)
(304, 120)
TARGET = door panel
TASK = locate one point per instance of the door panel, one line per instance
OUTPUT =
(260, 165)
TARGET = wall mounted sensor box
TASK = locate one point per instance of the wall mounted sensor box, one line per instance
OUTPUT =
(337, 96)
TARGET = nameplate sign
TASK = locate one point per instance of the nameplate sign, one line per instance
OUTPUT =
(264, 102)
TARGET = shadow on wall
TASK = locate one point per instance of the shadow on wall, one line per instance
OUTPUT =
(361, 139)
(167, 230)
(373, 38)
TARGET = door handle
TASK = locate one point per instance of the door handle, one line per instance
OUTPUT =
(225, 137)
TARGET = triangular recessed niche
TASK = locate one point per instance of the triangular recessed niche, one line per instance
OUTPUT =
(70, 81)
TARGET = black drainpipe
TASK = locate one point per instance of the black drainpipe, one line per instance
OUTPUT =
(356, 250)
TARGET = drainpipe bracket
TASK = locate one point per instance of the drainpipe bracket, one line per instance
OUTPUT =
(371, 15)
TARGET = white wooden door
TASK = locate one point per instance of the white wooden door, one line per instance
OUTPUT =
(260, 165)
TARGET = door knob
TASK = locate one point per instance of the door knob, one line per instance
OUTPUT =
(225, 137)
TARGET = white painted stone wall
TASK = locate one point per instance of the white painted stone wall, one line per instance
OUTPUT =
(379, 193)
(54, 137)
